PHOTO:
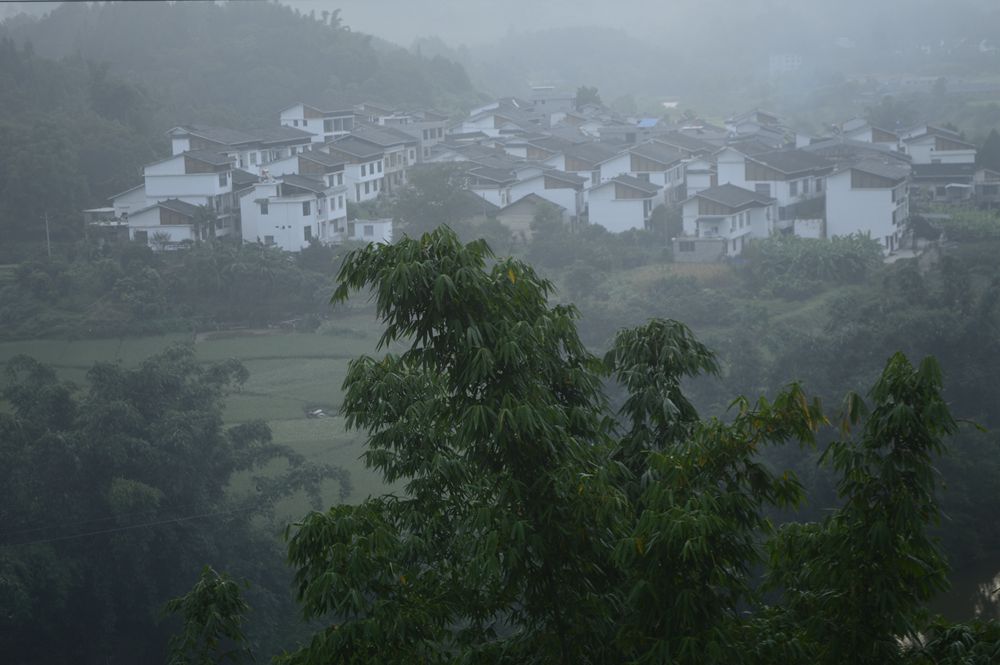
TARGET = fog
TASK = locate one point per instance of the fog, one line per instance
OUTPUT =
(543, 331)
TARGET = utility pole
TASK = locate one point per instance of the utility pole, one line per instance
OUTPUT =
(48, 241)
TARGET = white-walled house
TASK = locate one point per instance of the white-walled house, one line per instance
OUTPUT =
(364, 166)
(939, 146)
(399, 151)
(490, 183)
(719, 222)
(248, 150)
(584, 160)
(129, 201)
(789, 176)
(699, 175)
(294, 210)
(869, 197)
(653, 162)
(312, 163)
(198, 177)
(622, 203)
(164, 224)
(562, 189)
(324, 125)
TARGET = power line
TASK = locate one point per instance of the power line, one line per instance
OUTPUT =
(130, 527)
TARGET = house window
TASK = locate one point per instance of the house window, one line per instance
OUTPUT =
(685, 246)
(328, 126)
(295, 123)
(413, 155)
(253, 158)
(307, 233)
(223, 179)
(340, 178)
(340, 200)
(363, 167)
(763, 188)
(263, 207)
(367, 184)
(142, 236)
(805, 186)
(793, 188)
(268, 240)
(819, 185)
(380, 167)
(369, 231)
(306, 208)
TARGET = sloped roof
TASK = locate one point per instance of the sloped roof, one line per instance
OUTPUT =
(241, 177)
(498, 175)
(892, 170)
(531, 198)
(792, 161)
(657, 152)
(304, 182)
(591, 152)
(571, 178)
(209, 157)
(647, 188)
(381, 136)
(174, 205)
(321, 157)
(732, 196)
(944, 170)
(355, 147)
(689, 143)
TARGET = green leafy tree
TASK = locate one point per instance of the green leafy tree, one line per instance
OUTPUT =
(213, 623)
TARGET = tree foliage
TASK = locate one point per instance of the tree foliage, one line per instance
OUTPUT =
(533, 524)
(111, 495)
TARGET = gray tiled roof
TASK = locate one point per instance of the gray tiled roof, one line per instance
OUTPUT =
(647, 188)
(178, 206)
(304, 182)
(792, 161)
(382, 136)
(355, 147)
(944, 170)
(892, 170)
(658, 153)
(209, 157)
(732, 196)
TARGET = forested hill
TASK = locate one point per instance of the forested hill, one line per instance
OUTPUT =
(239, 63)
(90, 90)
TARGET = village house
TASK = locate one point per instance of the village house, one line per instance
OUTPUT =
(869, 197)
(653, 162)
(294, 210)
(399, 151)
(197, 178)
(719, 222)
(622, 203)
(928, 144)
(324, 125)
(789, 176)
(564, 190)
(247, 149)
(584, 160)
(363, 169)
(519, 215)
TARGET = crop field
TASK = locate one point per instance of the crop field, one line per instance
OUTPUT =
(290, 375)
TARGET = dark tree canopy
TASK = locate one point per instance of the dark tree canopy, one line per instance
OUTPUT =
(534, 524)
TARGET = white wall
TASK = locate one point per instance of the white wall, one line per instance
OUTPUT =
(615, 216)
(567, 197)
(859, 210)
(159, 187)
(130, 201)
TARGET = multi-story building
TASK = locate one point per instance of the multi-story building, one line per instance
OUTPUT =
(719, 222)
(323, 125)
(869, 197)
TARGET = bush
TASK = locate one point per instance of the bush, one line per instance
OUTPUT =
(791, 267)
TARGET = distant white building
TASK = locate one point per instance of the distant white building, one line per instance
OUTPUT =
(323, 124)
(364, 168)
(720, 222)
(652, 162)
(623, 203)
(247, 150)
(869, 197)
(293, 211)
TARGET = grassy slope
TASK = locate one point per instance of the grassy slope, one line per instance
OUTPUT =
(288, 372)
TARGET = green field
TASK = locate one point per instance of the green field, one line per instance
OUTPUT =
(288, 373)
